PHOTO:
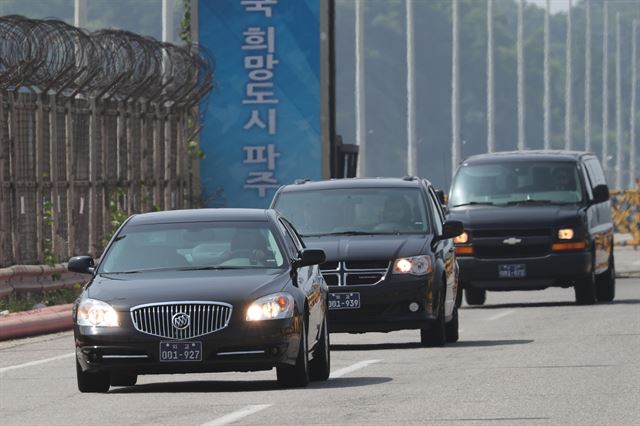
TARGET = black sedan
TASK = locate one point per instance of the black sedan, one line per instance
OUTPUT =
(204, 290)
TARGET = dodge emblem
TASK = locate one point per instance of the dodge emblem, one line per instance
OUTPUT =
(180, 321)
(512, 241)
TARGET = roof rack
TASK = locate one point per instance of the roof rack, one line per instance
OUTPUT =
(301, 181)
(409, 178)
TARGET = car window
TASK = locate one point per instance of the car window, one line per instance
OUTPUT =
(193, 245)
(596, 175)
(355, 210)
(438, 217)
(517, 181)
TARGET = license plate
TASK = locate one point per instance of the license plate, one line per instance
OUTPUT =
(344, 300)
(517, 270)
(180, 351)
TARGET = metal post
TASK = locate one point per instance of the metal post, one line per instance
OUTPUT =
(39, 169)
(94, 223)
(567, 85)
(491, 130)
(53, 160)
(619, 153)
(360, 89)
(70, 168)
(412, 147)
(633, 110)
(587, 79)
(605, 89)
(547, 78)
(521, 95)
(455, 84)
(80, 13)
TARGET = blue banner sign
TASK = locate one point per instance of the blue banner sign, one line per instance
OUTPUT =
(262, 122)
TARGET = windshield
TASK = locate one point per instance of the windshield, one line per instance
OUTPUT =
(191, 246)
(354, 211)
(516, 182)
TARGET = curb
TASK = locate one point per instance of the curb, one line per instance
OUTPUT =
(38, 321)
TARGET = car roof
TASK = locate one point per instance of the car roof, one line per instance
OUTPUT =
(201, 215)
(346, 183)
(542, 155)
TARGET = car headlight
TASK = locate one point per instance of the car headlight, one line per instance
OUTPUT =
(416, 265)
(565, 234)
(273, 306)
(462, 238)
(95, 313)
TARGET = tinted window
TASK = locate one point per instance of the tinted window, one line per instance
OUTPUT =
(369, 210)
(187, 245)
(512, 182)
(596, 175)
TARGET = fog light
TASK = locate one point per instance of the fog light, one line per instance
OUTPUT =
(413, 307)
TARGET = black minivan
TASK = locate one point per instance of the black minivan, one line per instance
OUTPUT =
(534, 219)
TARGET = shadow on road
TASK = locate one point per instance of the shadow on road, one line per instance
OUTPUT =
(349, 382)
(487, 343)
(549, 304)
(376, 347)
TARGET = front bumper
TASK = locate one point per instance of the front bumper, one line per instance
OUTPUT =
(385, 306)
(552, 270)
(238, 347)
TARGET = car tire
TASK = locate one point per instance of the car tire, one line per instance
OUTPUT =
(435, 335)
(123, 378)
(475, 296)
(585, 289)
(606, 283)
(320, 365)
(451, 328)
(297, 375)
(92, 382)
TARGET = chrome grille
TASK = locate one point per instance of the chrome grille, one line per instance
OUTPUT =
(204, 318)
(351, 272)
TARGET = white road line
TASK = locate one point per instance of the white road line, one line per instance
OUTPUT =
(237, 415)
(32, 363)
(500, 315)
(351, 368)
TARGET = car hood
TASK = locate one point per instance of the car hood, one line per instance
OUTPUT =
(516, 216)
(369, 247)
(229, 286)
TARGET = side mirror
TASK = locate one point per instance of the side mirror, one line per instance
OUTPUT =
(451, 228)
(311, 257)
(600, 194)
(81, 264)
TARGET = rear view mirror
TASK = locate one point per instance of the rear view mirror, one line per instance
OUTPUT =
(311, 257)
(81, 264)
(600, 194)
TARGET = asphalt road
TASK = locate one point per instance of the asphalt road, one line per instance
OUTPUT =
(524, 358)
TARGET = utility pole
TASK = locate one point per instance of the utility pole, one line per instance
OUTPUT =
(455, 82)
(491, 131)
(633, 110)
(567, 86)
(412, 147)
(547, 77)
(80, 13)
(587, 80)
(605, 89)
(618, 108)
(520, 54)
(360, 88)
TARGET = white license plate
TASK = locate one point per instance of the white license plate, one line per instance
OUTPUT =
(344, 300)
(180, 351)
(517, 270)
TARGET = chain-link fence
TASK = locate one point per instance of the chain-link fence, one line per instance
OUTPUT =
(90, 123)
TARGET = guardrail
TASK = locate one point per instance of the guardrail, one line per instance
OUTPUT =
(36, 278)
(625, 212)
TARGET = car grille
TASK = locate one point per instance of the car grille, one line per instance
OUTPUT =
(502, 251)
(354, 272)
(506, 233)
(203, 318)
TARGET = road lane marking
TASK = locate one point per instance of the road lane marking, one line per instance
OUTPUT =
(351, 368)
(32, 363)
(500, 315)
(237, 415)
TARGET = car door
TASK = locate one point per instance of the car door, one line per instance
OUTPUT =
(310, 283)
(444, 249)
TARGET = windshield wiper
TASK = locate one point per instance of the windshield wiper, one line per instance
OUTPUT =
(142, 270)
(529, 201)
(475, 203)
(345, 233)
(210, 268)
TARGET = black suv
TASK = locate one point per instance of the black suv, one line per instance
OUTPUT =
(391, 263)
(534, 219)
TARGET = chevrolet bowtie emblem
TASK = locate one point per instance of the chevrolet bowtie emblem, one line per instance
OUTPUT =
(512, 241)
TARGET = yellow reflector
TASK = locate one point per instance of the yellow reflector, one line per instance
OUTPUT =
(581, 245)
(464, 250)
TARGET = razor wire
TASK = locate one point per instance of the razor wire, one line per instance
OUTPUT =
(48, 55)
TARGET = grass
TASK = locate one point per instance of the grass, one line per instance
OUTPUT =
(26, 301)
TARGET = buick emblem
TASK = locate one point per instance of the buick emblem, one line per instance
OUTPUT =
(180, 321)
(512, 241)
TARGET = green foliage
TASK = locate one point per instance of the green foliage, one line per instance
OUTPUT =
(50, 257)
(24, 302)
(118, 215)
(185, 22)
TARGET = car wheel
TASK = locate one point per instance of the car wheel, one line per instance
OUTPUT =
(585, 289)
(123, 378)
(606, 283)
(92, 382)
(297, 375)
(435, 334)
(451, 328)
(320, 365)
(475, 296)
